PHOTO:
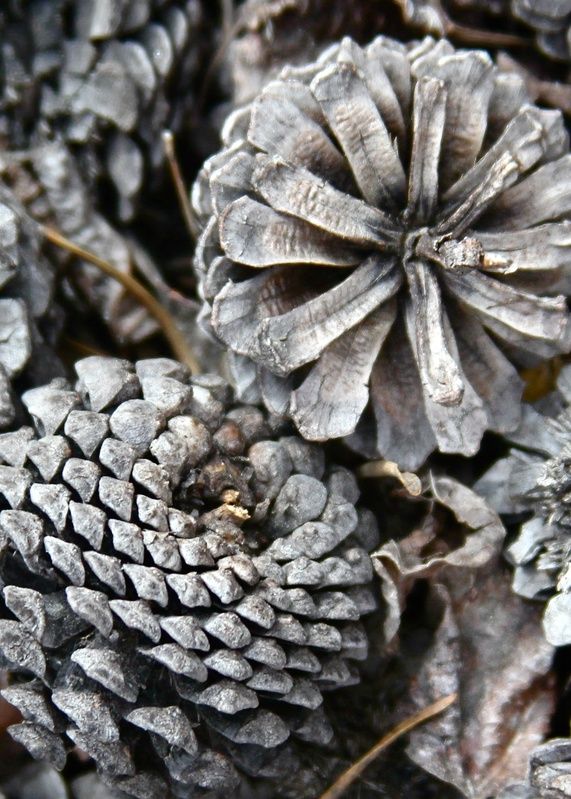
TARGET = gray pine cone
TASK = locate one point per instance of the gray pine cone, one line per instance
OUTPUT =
(551, 22)
(549, 773)
(279, 32)
(548, 20)
(180, 583)
(107, 77)
(377, 223)
(535, 478)
(41, 781)
(26, 297)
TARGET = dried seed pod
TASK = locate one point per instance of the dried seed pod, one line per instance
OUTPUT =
(26, 298)
(105, 77)
(535, 478)
(180, 585)
(382, 230)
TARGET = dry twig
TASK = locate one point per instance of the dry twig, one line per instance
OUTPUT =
(176, 340)
(354, 772)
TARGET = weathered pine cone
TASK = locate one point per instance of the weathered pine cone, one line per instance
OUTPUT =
(41, 781)
(180, 583)
(281, 32)
(535, 478)
(26, 297)
(551, 22)
(384, 227)
(107, 77)
(548, 20)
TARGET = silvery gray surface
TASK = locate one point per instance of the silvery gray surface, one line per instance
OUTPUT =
(102, 76)
(551, 22)
(181, 581)
(382, 242)
(26, 298)
(535, 480)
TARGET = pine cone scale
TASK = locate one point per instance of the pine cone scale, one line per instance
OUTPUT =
(111, 581)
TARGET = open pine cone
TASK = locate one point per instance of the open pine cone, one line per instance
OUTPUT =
(180, 583)
(535, 479)
(279, 32)
(386, 225)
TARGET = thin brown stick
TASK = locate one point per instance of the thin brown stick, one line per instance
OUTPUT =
(382, 468)
(355, 771)
(176, 340)
(180, 188)
(467, 35)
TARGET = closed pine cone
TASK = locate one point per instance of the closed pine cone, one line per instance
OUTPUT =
(181, 582)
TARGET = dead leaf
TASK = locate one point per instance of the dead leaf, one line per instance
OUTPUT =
(472, 541)
(489, 648)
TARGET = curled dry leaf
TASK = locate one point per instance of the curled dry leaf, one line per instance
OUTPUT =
(474, 540)
(489, 649)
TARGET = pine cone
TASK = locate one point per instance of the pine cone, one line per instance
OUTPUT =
(106, 77)
(548, 20)
(550, 769)
(551, 22)
(26, 297)
(536, 480)
(180, 582)
(281, 32)
(40, 781)
(378, 279)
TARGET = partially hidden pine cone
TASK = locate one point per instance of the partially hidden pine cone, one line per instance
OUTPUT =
(106, 77)
(551, 22)
(383, 234)
(26, 298)
(283, 32)
(535, 479)
(180, 582)
(548, 20)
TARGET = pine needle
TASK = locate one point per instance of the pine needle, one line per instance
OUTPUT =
(355, 771)
(178, 343)
(180, 188)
